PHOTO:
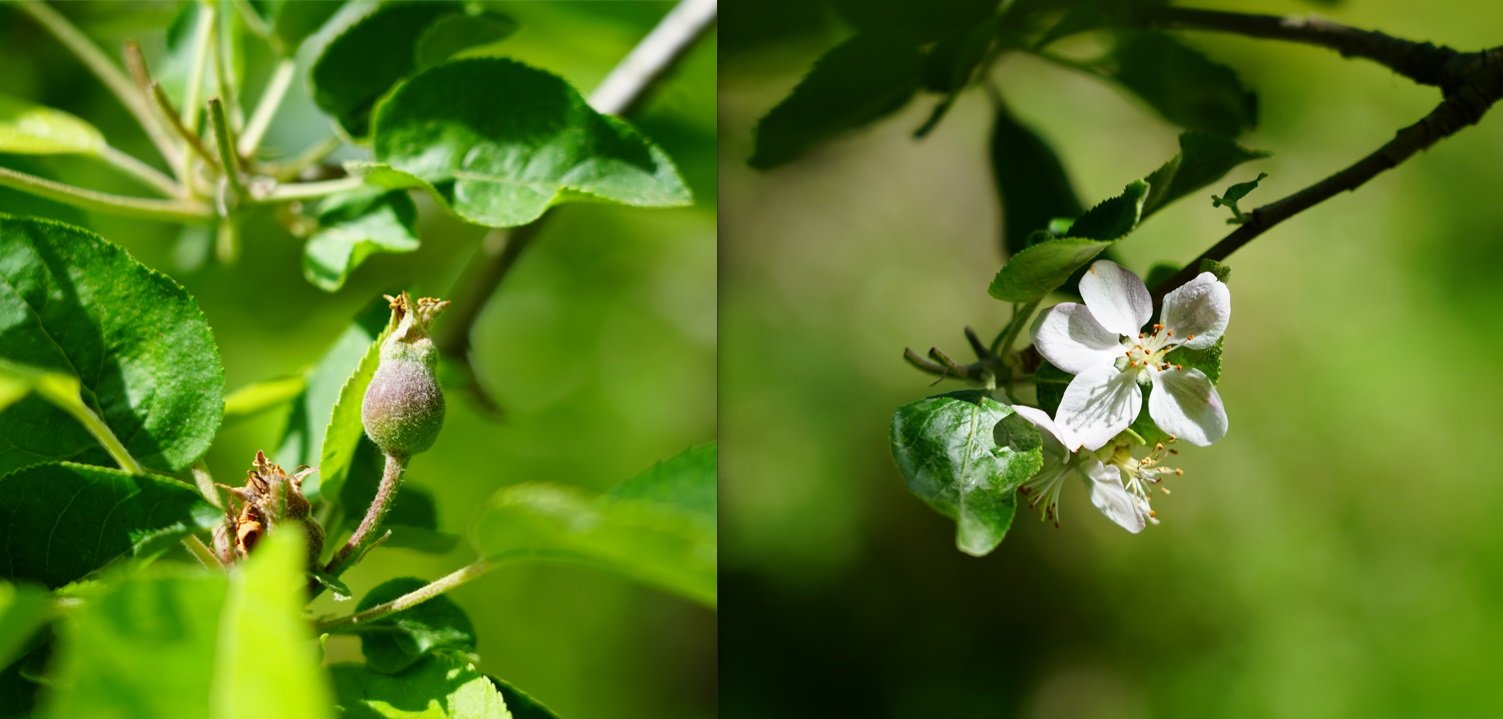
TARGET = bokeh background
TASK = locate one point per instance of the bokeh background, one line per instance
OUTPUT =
(1339, 554)
(600, 347)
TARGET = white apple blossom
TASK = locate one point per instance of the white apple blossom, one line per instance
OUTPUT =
(1104, 481)
(1103, 344)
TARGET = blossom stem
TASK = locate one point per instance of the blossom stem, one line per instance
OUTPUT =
(167, 210)
(139, 170)
(370, 526)
(352, 623)
(266, 107)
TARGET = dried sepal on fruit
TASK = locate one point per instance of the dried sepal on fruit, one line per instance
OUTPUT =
(403, 408)
(271, 498)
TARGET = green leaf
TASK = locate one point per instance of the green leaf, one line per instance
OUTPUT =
(1202, 159)
(73, 304)
(365, 61)
(396, 641)
(453, 34)
(1234, 194)
(502, 157)
(294, 21)
(1207, 360)
(222, 645)
(858, 82)
(443, 686)
(268, 664)
(1113, 218)
(30, 129)
(353, 226)
(1032, 183)
(23, 610)
(254, 399)
(916, 22)
(522, 705)
(303, 438)
(60, 521)
(946, 447)
(950, 64)
(1051, 382)
(99, 668)
(685, 481)
(658, 527)
(1039, 269)
(413, 520)
(1186, 87)
(346, 430)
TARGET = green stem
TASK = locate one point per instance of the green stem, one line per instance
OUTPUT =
(103, 434)
(160, 130)
(311, 190)
(167, 210)
(202, 34)
(257, 25)
(92, 57)
(289, 170)
(370, 526)
(193, 142)
(229, 162)
(201, 552)
(140, 171)
(411, 599)
(224, 80)
(266, 107)
(1020, 315)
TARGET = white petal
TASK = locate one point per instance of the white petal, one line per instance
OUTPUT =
(1117, 298)
(1186, 405)
(1113, 499)
(1097, 405)
(1055, 441)
(1074, 341)
(1197, 311)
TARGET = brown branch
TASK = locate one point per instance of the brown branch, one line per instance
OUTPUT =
(1482, 86)
(1423, 62)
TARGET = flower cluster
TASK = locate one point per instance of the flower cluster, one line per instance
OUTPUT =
(1114, 353)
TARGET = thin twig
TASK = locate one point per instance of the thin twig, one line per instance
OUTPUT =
(1462, 107)
(266, 107)
(1423, 62)
(623, 90)
(139, 170)
(225, 140)
(168, 210)
(310, 190)
(409, 600)
(159, 131)
(92, 57)
(190, 139)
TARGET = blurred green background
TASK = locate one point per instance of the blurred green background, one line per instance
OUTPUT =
(600, 347)
(1337, 555)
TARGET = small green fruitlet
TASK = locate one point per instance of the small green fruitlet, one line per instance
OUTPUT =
(403, 408)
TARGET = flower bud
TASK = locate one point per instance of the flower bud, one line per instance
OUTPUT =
(403, 408)
(270, 499)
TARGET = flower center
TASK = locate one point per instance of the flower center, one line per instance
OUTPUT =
(1141, 474)
(1145, 354)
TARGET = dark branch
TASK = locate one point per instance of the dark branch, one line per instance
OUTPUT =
(1461, 107)
(1423, 62)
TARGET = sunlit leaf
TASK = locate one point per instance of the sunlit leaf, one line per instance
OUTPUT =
(23, 610)
(502, 157)
(30, 129)
(660, 529)
(352, 227)
(365, 61)
(397, 641)
(73, 304)
(442, 686)
(61, 521)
